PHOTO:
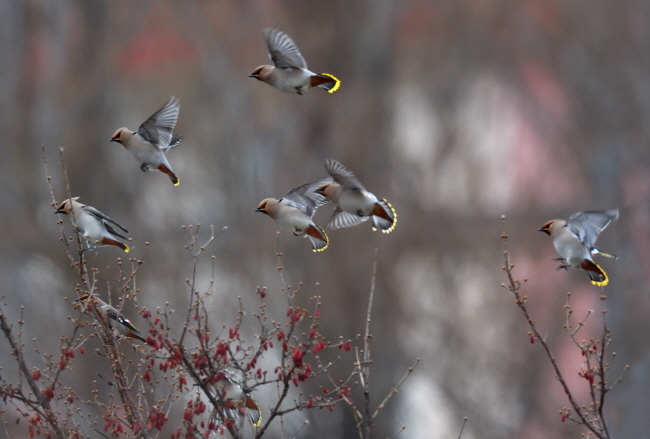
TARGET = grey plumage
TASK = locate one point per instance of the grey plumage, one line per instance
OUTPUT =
(153, 138)
(234, 396)
(289, 72)
(294, 211)
(354, 204)
(94, 226)
(119, 324)
(575, 240)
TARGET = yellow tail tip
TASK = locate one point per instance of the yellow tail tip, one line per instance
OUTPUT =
(336, 86)
(126, 248)
(603, 282)
(178, 181)
(259, 421)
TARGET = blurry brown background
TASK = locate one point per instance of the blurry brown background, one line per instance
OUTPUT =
(455, 111)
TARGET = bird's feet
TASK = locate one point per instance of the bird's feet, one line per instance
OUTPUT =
(559, 259)
(144, 167)
(88, 248)
(563, 267)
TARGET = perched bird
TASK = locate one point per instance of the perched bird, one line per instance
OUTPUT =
(574, 241)
(354, 204)
(94, 226)
(294, 212)
(119, 324)
(153, 139)
(289, 72)
(234, 395)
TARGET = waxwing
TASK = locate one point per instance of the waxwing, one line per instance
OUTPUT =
(119, 324)
(234, 396)
(575, 240)
(354, 204)
(289, 72)
(94, 226)
(153, 139)
(295, 210)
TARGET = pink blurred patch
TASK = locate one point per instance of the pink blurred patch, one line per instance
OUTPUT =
(543, 168)
(635, 185)
(159, 43)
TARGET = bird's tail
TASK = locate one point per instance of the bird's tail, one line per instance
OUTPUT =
(129, 330)
(109, 241)
(170, 173)
(254, 411)
(318, 238)
(329, 82)
(596, 274)
(384, 217)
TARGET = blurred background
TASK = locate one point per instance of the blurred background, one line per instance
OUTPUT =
(457, 112)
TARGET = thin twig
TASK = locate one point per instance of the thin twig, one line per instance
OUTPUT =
(364, 368)
(462, 427)
(394, 389)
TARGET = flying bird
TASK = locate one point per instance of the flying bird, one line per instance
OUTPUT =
(289, 71)
(575, 240)
(295, 210)
(94, 226)
(116, 322)
(354, 204)
(153, 139)
(234, 396)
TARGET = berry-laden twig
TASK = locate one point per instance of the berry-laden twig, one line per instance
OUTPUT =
(591, 416)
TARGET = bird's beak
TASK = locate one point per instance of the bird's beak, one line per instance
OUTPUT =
(545, 230)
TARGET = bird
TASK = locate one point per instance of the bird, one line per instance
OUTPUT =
(94, 226)
(354, 204)
(295, 210)
(119, 324)
(574, 240)
(234, 395)
(289, 71)
(153, 139)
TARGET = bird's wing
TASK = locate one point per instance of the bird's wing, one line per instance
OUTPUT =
(341, 218)
(132, 329)
(158, 129)
(588, 225)
(306, 198)
(173, 143)
(343, 176)
(283, 51)
(106, 221)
